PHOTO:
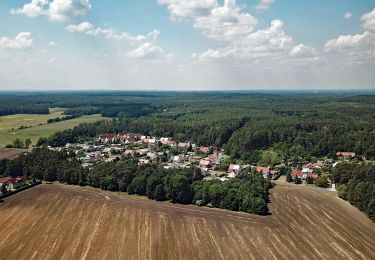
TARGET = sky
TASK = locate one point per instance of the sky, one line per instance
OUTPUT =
(187, 44)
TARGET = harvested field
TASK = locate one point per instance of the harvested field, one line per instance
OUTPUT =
(65, 222)
(10, 153)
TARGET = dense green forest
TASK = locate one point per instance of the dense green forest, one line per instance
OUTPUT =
(356, 184)
(248, 193)
(303, 123)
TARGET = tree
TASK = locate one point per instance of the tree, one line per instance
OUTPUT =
(297, 180)
(159, 193)
(27, 143)
(309, 180)
(17, 143)
(289, 177)
(4, 189)
(180, 189)
(322, 182)
(371, 210)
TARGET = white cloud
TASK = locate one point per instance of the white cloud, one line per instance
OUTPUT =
(52, 43)
(368, 21)
(358, 48)
(150, 51)
(111, 33)
(57, 10)
(188, 9)
(226, 22)
(22, 41)
(268, 43)
(264, 4)
(348, 15)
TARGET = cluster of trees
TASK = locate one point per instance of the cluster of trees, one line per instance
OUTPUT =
(59, 119)
(18, 143)
(249, 193)
(356, 184)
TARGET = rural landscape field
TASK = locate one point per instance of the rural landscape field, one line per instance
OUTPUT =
(187, 129)
(54, 221)
(37, 125)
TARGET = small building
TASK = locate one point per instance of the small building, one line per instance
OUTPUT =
(235, 168)
(108, 138)
(205, 163)
(178, 158)
(346, 154)
(152, 156)
(204, 149)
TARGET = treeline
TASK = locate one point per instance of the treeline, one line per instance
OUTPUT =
(213, 131)
(6, 109)
(59, 119)
(249, 193)
(356, 184)
(321, 137)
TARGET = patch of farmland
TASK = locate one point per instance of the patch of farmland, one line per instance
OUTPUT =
(66, 222)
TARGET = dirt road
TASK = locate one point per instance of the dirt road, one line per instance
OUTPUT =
(65, 222)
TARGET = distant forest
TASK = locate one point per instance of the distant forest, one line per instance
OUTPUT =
(297, 123)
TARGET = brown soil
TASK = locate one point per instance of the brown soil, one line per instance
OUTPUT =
(53, 221)
(10, 153)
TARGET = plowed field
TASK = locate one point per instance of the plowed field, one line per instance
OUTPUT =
(53, 221)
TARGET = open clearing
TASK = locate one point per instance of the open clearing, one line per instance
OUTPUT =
(53, 221)
(39, 126)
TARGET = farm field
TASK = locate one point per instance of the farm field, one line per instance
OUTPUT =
(39, 128)
(10, 153)
(54, 221)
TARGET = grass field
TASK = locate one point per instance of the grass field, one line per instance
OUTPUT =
(54, 221)
(9, 126)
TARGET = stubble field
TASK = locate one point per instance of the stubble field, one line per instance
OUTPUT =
(65, 222)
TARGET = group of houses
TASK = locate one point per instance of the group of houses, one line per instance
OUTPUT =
(173, 154)
(12, 184)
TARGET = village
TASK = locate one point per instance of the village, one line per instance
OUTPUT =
(213, 162)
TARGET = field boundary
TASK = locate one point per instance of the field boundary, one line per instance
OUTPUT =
(19, 190)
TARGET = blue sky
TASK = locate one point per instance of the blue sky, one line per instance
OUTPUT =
(187, 45)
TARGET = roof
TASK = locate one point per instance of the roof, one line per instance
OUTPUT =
(295, 173)
(234, 167)
(204, 149)
(5, 179)
(263, 169)
(346, 154)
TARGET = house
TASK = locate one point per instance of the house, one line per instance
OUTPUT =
(152, 156)
(265, 171)
(5, 180)
(142, 151)
(295, 174)
(93, 155)
(204, 149)
(108, 138)
(236, 169)
(13, 183)
(346, 154)
(129, 152)
(184, 145)
(152, 141)
(168, 141)
(313, 176)
(143, 162)
(306, 171)
(205, 163)
(317, 165)
(122, 137)
(178, 158)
